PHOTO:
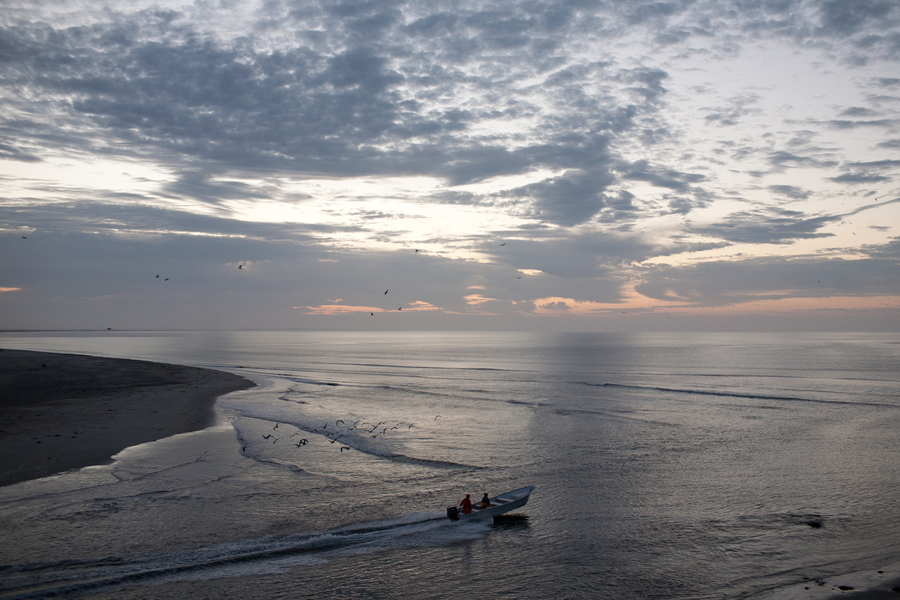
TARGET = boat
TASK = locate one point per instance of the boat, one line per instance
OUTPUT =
(499, 505)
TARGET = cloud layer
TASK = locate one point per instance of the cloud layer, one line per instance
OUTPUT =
(652, 156)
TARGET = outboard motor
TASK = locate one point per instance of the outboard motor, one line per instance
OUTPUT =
(453, 513)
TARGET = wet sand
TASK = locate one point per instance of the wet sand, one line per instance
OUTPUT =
(883, 584)
(67, 411)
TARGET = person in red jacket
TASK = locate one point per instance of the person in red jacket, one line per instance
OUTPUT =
(466, 505)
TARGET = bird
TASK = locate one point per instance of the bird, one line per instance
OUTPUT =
(401, 308)
(341, 421)
(275, 440)
(240, 266)
(417, 250)
(503, 244)
(267, 436)
(437, 417)
(371, 313)
(386, 291)
(344, 448)
(25, 238)
(157, 276)
(167, 278)
(276, 426)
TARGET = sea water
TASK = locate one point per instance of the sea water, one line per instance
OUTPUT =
(665, 466)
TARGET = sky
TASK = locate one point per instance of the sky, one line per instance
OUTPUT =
(583, 165)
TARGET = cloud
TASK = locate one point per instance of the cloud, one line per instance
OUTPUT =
(790, 191)
(773, 226)
(660, 177)
(736, 108)
(724, 283)
(858, 178)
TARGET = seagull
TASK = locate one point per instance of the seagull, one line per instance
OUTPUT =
(503, 244)
(437, 417)
(267, 436)
(344, 448)
(276, 426)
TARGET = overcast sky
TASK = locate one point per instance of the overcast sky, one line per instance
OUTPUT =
(574, 165)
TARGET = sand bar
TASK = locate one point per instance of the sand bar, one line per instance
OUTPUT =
(67, 411)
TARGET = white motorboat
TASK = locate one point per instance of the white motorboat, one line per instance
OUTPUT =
(499, 505)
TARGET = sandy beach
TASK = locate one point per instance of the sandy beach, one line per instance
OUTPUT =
(67, 411)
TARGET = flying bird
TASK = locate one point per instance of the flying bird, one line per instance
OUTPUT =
(386, 291)
(157, 276)
(437, 417)
(344, 448)
(265, 437)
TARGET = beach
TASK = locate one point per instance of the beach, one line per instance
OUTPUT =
(68, 411)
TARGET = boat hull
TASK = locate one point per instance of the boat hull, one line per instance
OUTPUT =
(501, 504)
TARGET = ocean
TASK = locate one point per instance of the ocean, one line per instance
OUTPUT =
(668, 466)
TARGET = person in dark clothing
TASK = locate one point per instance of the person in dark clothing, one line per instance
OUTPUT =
(485, 501)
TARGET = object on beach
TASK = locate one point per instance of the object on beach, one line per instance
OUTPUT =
(499, 505)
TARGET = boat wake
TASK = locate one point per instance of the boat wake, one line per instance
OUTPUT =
(258, 556)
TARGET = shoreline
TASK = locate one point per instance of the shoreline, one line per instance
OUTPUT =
(68, 411)
(883, 584)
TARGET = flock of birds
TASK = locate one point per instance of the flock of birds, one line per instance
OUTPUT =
(336, 433)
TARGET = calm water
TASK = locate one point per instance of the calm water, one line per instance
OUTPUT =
(666, 466)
